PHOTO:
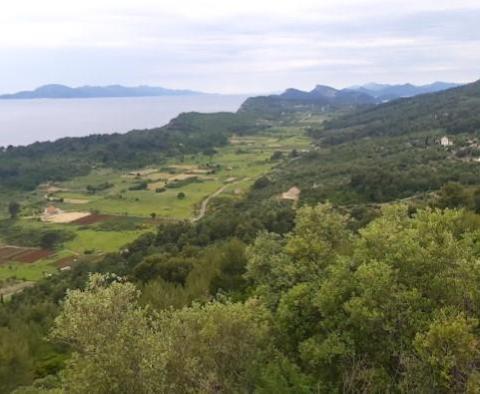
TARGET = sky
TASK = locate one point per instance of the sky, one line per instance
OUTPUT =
(244, 46)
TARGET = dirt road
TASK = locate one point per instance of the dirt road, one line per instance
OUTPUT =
(204, 206)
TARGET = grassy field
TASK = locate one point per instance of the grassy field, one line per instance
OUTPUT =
(247, 157)
(234, 167)
(28, 272)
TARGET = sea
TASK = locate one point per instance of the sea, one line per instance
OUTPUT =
(23, 122)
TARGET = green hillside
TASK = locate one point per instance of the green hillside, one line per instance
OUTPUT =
(452, 111)
(260, 255)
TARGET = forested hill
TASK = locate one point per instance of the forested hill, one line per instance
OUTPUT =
(452, 111)
(390, 151)
(26, 167)
(320, 99)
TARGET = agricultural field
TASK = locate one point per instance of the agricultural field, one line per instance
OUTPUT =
(105, 210)
(154, 190)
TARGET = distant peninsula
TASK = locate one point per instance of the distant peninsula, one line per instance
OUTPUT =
(55, 91)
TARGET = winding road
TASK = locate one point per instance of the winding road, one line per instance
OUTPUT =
(204, 206)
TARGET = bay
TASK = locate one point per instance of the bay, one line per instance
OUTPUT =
(23, 122)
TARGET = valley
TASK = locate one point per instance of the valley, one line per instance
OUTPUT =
(287, 234)
(100, 212)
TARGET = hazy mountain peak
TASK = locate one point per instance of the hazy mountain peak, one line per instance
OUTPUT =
(325, 91)
(385, 92)
(87, 91)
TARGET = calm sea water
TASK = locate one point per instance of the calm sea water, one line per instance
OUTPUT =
(25, 121)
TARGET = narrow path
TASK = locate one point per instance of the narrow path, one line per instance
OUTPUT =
(12, 289)
(204, 206)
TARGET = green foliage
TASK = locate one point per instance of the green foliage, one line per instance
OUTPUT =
(14, 352)
(26, 167)
(33, 236)
(14, 209)
(116, 348)
(100, 187)
(120, 347)
(452, 111)
(409, 282)
(276, 265)
(119, 224)
(262, 182)
(259, 296)
(143, 185)
(453, 195)
(373, 170)
(449, 350)
(231, 263)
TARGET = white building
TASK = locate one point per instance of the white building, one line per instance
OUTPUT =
(445, 141)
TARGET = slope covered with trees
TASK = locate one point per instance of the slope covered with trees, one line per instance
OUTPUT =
(304, 320)
(364, 293)
(321, 99)
(453, 111)
(26, 167)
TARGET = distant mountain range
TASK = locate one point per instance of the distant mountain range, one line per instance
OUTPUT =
(372, 93)
(454, 111)
(320, 99)
(323, 98)
(328, 95)
(61, 91)
(366, 94)
(384, 92)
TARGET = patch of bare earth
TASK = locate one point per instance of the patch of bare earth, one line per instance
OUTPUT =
(92, 219)
(12, 288)
(66, 217)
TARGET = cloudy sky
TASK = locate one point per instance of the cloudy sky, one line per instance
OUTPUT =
(231, 46)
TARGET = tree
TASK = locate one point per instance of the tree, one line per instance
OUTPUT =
(276, 264)
(453, 195)
(395, 307)
(14, 209)
(14, 351)
(448, 353)
(181, 195)
(261, 182)
(476, 200)
(277, 155)
(115, 345)
(49, 239)
(153, 215)
(120, 347)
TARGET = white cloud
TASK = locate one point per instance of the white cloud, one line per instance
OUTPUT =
(235, 45)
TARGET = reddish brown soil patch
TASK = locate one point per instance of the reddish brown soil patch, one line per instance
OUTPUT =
(92, 219)
(22, 255)
(9, 253)
(33, 255)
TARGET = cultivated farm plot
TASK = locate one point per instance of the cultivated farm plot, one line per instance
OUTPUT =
(198, 176)
(66, 217)
(230, 172)
(156, 185)
(76, 201)
(9, 254)
(92, 219)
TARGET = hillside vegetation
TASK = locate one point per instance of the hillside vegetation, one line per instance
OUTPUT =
(347, 264)
(27, 167)
(321, 99)
(453, 111)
